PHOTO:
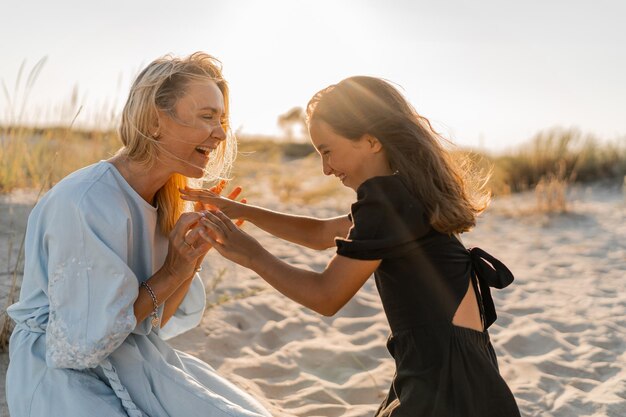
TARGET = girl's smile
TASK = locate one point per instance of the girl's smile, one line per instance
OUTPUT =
(353, 161)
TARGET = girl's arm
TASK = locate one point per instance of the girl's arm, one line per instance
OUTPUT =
(307, 231)
(324, 292)
(311, 232)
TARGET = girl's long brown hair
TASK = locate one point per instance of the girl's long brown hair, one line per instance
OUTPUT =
(452, 193)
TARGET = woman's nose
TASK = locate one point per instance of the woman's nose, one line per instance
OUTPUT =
(219, 132)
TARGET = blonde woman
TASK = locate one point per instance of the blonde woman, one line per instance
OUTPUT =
(111, 262)
(412, 201)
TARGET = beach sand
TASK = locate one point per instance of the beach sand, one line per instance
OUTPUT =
(560, 334)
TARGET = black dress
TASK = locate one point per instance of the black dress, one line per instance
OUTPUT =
(441, 369)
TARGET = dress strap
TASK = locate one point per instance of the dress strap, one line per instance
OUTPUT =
(490, 272)
(120, 390)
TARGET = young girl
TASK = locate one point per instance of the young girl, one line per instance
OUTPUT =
(412, 201)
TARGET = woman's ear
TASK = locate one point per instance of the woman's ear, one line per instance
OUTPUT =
(155, 129)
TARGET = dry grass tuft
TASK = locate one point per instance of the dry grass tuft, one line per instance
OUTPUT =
(564, 154)
(551, 191)
(551, 195)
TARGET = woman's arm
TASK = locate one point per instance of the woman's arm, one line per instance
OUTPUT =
(172, 303)
(164, 285)
(324, 292)
(311, 232)
(171, 283)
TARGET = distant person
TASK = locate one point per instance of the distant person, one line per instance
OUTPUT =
(111, 261)
(412, 202)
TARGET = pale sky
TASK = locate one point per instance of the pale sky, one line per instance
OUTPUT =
(487, 72)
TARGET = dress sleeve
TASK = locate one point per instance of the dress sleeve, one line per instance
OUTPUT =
(91, 288)
(387, 221)
(189, 312)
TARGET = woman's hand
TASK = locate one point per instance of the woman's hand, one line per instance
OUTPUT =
(188, 243)
(229, 240)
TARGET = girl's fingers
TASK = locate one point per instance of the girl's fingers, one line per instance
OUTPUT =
(199, 197)
(239, 222)
(216, 228)
(207, 238)
(235, 193)
(212, 221)
(220, 186)
(199, 202)
(212, 241)
(226, 221)
(221, 220)
(214, 191)
(219, 246)
(198, 192)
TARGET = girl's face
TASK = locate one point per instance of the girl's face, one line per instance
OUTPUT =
(352, 161)
(188, 137)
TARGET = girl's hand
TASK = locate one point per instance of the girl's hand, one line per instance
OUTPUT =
(188, 243)
(229, 240)
(212, 200)
(200, 206)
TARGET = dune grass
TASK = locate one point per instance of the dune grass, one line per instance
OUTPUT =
(567, 154)
(554, 159)
(29, 155)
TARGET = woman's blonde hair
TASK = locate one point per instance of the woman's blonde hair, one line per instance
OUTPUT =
(158, 87)
(451, 193)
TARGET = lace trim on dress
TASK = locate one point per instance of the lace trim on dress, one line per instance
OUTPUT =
(63, 348)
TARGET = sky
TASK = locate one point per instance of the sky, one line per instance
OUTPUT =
(488, 74)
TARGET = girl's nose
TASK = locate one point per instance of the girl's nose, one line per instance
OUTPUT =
(326, 168)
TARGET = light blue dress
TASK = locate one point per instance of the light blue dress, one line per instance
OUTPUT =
(77, 349)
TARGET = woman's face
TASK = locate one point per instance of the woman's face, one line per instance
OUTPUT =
(352, 161)
(189, 135)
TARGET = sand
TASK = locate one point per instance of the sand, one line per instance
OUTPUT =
(560, 335)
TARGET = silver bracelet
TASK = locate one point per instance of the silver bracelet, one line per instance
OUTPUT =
(155, 313)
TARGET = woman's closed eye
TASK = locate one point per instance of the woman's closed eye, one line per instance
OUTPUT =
(213, 119)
